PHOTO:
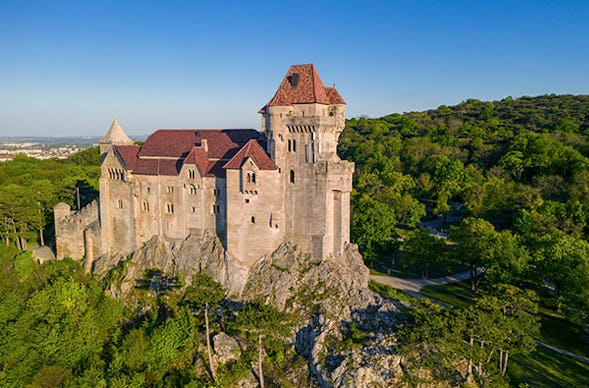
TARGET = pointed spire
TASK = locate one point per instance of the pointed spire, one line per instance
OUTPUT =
(116, 135)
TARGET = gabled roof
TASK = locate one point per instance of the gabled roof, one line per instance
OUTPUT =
(302, 85)
(221, 143)
(252, 150)
(198, 157)
(116, 135)
(128, 153)
(166, 151)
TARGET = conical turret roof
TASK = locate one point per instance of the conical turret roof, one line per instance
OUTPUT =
(116, 135)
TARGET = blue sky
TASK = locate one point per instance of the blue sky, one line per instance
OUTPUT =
(69, 67)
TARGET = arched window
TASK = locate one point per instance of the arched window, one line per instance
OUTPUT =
(294, 145)
(145, 206)
(251, 177)
(253, 220)
(170, 208)
(289, 145)
(191, 174)
(192, 189)
(119, 203)
(292, 176)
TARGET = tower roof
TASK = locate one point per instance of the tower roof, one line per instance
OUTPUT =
(302, 85)
(116, 135)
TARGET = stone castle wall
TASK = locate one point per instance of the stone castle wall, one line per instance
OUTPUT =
(77, 233)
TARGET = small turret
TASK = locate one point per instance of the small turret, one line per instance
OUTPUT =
(115, 136)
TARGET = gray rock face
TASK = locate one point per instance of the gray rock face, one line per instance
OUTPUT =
(345, 330)
(332, 299)
(200, 251)
(226, 348)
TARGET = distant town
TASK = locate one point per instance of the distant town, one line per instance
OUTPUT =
(44, 147)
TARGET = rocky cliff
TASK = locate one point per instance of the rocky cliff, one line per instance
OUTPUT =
(345, 330)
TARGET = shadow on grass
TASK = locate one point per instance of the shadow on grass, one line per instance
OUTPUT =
(456, 294)
(546, 368)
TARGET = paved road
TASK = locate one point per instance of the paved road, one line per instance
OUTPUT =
(415, 285)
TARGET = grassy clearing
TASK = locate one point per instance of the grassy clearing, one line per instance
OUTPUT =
(546, 368)
(456, 294)
(562, 333)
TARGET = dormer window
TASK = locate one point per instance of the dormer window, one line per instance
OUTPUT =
(293, 80)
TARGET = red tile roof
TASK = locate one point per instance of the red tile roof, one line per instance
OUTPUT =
(166, 151)
(253, 150)
(302, 85)
(334, 96)
(198, 157)
(222, 143)
(158, 167)
(128, 154)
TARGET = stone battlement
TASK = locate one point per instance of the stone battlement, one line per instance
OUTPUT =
(84, 216)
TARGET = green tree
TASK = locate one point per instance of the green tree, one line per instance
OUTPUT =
(373, 225)
(205, 294)
(423, 249)
(263, 321)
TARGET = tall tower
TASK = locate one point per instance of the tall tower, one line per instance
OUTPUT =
(303, 122)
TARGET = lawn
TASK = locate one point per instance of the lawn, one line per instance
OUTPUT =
(456, 294)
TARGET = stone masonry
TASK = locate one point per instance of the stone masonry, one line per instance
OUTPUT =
(254, 190)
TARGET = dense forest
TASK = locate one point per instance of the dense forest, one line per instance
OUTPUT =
(516, 169)
(498, 188)
(506, 184)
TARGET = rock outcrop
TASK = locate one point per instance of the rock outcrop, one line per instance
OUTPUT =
(200, 251)
(345, 330)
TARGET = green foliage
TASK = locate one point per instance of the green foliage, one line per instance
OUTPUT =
(29, 188)
(204, 290)
(373, 225)
(423, 250)
(479, 335)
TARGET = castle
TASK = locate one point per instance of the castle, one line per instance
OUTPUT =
(254, 190)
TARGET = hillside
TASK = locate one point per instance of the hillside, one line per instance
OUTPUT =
(505, 184)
